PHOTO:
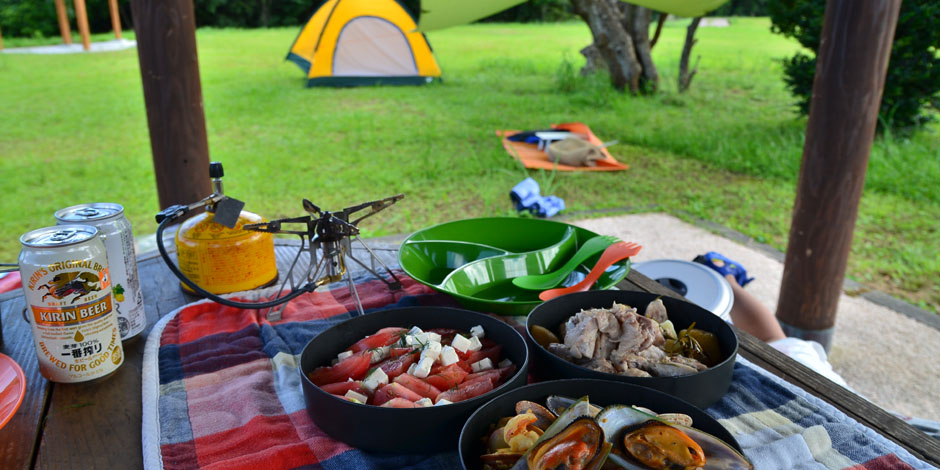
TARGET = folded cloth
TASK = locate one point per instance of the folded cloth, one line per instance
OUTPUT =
(574, 152)
(221, 390)
(548, 206)
(526, 196)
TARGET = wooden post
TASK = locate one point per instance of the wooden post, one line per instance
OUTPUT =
(166, 49)
(115, 18)
(64, 29)
(1, 48)
(81, 17)
(850, 72)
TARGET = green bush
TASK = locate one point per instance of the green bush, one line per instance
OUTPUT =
(912, 84)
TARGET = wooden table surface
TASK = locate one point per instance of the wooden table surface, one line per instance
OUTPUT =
(99, 425)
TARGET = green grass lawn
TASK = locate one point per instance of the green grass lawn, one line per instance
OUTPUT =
(73, 129)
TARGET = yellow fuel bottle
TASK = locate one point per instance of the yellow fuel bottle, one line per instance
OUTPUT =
(220, 259)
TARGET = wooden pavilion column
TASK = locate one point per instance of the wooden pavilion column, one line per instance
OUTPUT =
(64, 29)
(115, 18)
(850, 72)
(166, 49)
(81, 17)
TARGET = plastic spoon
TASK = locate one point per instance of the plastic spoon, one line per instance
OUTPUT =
(612, 254)
(553, 278)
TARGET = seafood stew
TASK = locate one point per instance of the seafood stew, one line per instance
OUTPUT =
(539, 427)
(630, 354)
(430, 428)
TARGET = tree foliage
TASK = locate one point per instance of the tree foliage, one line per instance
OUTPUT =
(912, 84)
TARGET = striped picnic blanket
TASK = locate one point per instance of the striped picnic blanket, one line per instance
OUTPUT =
(221, 391)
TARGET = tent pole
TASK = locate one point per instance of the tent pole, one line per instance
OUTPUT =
(850, 73)
(64, 29)
(115, 18)
(81, 17)
(169, 67)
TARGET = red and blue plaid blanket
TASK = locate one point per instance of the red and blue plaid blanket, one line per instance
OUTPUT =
(221, 391)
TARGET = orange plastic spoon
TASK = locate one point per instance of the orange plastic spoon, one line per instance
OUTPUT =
(614, 253)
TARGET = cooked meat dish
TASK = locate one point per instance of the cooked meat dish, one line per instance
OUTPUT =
(619, 340)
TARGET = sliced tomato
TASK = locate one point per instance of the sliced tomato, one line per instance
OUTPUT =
(491, 352)
(394, 390)
(383, 337)
(395, 367)
(354, 367)
(447, 334)
(448, 377)
(340, 388)
(396, 352)
(492, 375)
(418, 386)
(506, 372)
(466, 391)
(400, 403)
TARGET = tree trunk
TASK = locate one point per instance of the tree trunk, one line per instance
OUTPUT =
(611, 41)
(685, 75)
(637, 24)
(621, 38)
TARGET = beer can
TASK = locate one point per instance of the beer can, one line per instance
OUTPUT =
(115, 231)
(69, 301)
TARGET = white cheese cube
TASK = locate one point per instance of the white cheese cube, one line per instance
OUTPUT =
(424, 367)
(475, 344)
(424, 402)
(415, 330)
(356, 396)
(421, 338)
(344, 355)
(504, 363)
(433, 336)
(461, 344)
(449, 356)
(379, 354)
(482, 364)
(377, 378)
(410, 340)
(443, 401)
(411, 368)
(477, 331)
(432, 350)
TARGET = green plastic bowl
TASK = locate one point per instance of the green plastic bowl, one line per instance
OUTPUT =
(475, 260)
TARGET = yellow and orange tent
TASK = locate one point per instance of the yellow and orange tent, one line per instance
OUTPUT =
(363, 42)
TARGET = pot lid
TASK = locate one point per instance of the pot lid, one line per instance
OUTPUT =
(696, 282)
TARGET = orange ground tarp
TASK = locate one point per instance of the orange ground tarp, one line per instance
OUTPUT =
(532, 157)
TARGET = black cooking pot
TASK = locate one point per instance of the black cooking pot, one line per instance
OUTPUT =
(397, 430)
(599, 392)
(701, 389)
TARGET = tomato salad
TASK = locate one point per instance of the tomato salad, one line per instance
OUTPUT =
(402, 368)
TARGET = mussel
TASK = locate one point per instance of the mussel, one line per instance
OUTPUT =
(659, 445)
(644, 441)
(579, 446)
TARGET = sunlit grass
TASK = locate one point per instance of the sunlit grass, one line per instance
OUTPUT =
(73, 129)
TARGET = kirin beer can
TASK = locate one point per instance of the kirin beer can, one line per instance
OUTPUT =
(69, 303)
(115, 231)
